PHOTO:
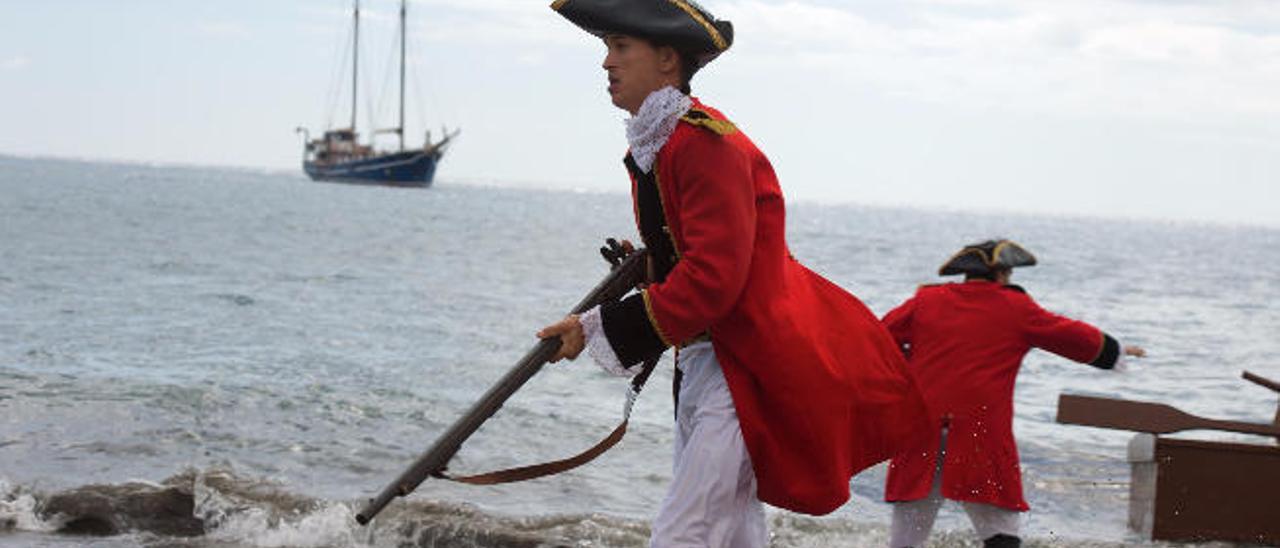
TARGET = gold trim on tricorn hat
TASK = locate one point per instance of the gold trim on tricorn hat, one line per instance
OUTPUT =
(681, 24)
(982, 258)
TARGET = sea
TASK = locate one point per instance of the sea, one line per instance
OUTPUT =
(197, 357)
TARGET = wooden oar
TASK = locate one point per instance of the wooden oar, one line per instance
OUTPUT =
(1137, 416)
(1267, 383)
(1262, 381)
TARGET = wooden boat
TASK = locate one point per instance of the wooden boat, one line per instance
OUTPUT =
(337, 155)
(1191, 490)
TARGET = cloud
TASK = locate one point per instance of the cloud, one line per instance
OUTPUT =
(1081, 58)
(16, 62)
(223, 29)
(496, 23)
(1088, 57)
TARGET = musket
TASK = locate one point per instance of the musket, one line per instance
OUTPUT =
(627, 271)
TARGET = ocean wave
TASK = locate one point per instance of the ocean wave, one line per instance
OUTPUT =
(18, 511)
(217, 508)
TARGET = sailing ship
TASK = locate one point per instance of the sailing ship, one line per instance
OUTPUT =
(339, 156)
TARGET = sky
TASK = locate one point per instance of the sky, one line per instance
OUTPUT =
(1119, 108)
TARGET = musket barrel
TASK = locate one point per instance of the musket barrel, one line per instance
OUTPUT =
(437, 458)
(620, 281)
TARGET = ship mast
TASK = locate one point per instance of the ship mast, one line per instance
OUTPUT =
(355, 65)
(400, 129)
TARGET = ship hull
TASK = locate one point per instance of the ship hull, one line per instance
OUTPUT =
(412, 168)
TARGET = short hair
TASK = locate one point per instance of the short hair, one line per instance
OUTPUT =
(989, 275)
(688, 67)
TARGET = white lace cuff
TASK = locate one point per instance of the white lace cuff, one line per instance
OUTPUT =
(597, 343)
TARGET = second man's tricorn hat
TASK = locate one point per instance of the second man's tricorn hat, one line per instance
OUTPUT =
(681, 24)
(982, 259)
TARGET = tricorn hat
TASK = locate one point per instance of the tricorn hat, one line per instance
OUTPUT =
(681, 24)
(983, 258)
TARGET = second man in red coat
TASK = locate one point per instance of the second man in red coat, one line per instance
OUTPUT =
(965, 343)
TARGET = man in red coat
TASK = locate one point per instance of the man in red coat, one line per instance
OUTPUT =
(965, 343)
(790, 386)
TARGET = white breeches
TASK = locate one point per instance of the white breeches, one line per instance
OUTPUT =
(712, 500)
(913, 521)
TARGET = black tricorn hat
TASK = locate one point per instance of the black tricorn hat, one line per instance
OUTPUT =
(983, 258)
(681, 24)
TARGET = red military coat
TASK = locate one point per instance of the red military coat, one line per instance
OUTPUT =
(966, 342)
(820, 388)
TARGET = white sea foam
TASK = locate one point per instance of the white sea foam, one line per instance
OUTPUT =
(18, 511)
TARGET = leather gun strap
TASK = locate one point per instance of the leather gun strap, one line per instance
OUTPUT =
(525, 473)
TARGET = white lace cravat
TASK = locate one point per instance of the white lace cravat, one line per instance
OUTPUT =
(650, 128)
